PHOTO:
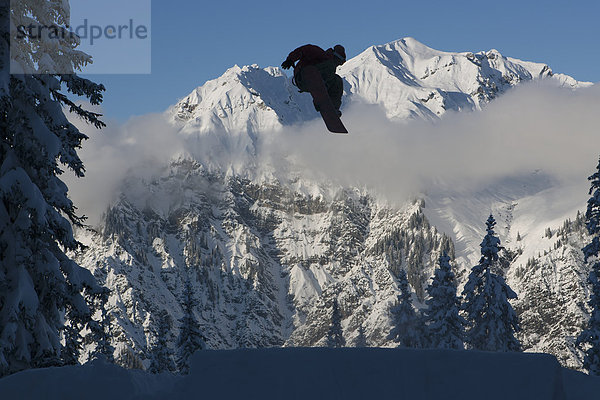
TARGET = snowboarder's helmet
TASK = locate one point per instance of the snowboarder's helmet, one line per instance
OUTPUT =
(340, 53)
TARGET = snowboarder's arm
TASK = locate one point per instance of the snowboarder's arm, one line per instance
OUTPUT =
(307, 52)
(297, 54)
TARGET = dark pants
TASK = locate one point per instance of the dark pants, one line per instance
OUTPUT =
(333, 82)
(335, 89)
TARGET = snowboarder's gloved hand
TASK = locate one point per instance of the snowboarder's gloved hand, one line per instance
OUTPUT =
(287, 64)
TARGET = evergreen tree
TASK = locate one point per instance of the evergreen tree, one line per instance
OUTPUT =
(335, 335)
(162, 355)
(492, 320)
(407, 329)
(72, 344)
(361, 338)
(591, 335)
(126, 357)
(100, 330)
(445, 327)
(190, 338)
(40, 286)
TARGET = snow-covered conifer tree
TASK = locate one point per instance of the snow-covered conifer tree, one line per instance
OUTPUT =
(190, 338)
(591, 335)
(492, 320)
(40, 286)
(162, 354)
(72, 344)
(361, 338)
(445, 327)
(127, 358)
(335, 335)
(407, 328)
(99, 331)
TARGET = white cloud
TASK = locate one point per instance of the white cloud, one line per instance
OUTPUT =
(139, 146)
(533, 127)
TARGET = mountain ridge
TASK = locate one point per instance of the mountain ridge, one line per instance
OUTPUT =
(405, 77)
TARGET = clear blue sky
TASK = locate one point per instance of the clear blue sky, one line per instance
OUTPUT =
(194, 41)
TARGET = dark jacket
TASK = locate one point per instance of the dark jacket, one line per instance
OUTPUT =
(309, 54)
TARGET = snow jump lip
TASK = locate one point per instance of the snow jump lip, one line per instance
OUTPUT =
(318, 373)
(363, 373)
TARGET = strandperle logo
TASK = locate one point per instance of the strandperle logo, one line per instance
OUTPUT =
(85, 32)
(81, 36)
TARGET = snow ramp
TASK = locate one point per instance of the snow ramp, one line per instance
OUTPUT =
(318, 373)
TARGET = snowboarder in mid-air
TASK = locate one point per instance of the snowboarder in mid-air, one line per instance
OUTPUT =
(314, 72)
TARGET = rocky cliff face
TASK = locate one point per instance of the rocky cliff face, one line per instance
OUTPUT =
(265, 262)
(553, 293)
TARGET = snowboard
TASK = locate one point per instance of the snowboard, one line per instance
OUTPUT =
(318, 90)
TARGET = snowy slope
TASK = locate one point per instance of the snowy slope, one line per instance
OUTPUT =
(318, 373)
(525, 205)
(243, 100)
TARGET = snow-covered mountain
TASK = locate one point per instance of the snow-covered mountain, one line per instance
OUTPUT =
(266, 256)
(264, 262)
(405, 77)
(411, 80)
(243, 100)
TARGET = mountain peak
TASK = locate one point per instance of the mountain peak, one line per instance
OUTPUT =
(409, 45)
(243, 100)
